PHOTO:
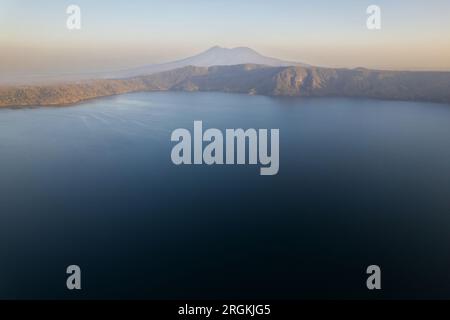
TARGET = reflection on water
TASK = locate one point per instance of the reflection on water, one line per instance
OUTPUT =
(361, 182)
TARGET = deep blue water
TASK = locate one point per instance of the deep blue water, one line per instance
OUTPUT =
(361, 182)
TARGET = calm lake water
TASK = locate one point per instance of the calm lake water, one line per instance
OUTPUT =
(361, 182)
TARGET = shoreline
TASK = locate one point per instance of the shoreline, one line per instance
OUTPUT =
(85, 100)
(245, 79)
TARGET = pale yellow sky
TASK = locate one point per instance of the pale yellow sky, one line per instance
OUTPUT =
(34, 37)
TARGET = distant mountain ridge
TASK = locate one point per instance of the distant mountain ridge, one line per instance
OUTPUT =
(215, 56)
(248, 79)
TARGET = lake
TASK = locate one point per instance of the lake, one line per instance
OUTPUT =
(360, 182)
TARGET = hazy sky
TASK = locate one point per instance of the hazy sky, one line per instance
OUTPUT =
(118, 34)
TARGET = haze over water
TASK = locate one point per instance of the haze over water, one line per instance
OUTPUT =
(361, 182)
